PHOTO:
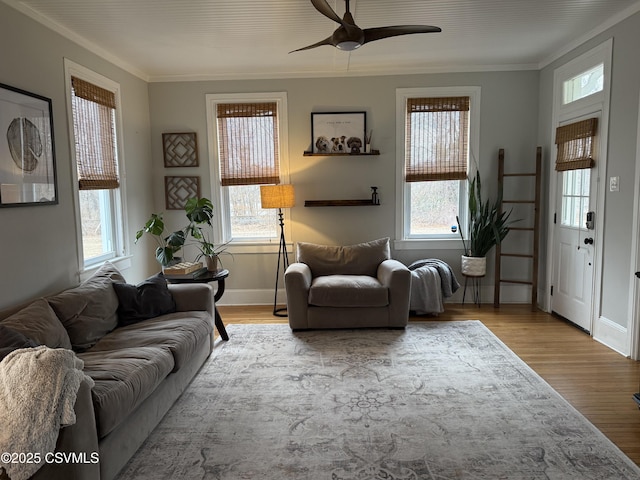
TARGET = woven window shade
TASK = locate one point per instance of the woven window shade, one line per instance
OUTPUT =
(94, 128)
(437, 139)
(576, 144)
(248, 143)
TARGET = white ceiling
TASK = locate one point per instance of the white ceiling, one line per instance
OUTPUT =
(162, 40)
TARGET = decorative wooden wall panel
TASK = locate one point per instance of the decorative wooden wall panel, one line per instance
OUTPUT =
(178, 190)
(180, 149)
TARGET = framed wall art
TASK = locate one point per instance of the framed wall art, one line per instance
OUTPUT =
(179, 189)
(180, 149)
(27, 153)
(338, 132)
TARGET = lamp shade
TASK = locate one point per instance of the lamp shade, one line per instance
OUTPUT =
(277, 196)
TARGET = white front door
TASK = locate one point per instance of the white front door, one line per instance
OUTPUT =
(574, 247)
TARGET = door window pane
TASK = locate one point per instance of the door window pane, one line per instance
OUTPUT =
(575, 197)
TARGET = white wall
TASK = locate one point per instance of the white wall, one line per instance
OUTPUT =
(509, 119)
(38, 243)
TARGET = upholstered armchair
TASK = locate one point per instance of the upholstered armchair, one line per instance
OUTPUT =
(347, 287)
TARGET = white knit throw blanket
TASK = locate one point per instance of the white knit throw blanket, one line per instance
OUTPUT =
(38, 390)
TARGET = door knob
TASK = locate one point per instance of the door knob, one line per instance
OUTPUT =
(638, 274)
(588, 241)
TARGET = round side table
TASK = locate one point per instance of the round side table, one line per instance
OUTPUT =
(210, 277)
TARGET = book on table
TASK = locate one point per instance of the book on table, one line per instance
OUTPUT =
(184, 270)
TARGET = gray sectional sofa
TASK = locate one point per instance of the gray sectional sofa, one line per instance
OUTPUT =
(141, 345)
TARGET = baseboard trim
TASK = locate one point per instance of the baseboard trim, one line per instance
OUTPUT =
(516, 294)
(234, 297)
(612, 335)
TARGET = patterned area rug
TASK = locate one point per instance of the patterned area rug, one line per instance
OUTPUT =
(439, 400)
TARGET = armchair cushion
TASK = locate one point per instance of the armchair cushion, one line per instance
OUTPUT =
(348, 291)
(359, 259)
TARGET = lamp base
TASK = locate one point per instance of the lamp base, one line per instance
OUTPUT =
(283, 260)
(277, 312)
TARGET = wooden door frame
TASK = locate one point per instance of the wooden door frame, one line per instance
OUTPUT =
(576, 109)
(634, 287)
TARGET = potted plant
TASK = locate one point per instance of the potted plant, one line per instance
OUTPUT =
(487, 228)
(167, 246)
(199, 211)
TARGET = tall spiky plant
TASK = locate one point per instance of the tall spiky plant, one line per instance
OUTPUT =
(487, 226)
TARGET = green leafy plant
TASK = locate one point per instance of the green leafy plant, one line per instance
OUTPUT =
(168, 245)
(487, 226)
(199, 212)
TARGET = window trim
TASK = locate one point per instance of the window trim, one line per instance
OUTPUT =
(450, 242)
(222, 231)
(117, 198)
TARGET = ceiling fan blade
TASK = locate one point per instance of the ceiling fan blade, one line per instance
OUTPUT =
(371, 34)
(326, 41)
(323, 7)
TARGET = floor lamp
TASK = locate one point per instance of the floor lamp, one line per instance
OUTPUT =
(279, 196)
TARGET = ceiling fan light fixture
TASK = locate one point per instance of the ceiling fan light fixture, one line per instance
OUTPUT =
(348, 46)
(349, 36)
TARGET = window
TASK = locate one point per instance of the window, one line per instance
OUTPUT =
(94, 104)
(582, 85)
(248, 132)
(437, 133)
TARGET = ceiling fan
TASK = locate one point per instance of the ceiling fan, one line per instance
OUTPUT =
(348, 36)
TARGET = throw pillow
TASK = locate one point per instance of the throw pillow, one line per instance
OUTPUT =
(88, 311)
(148, 299)
(11, 340)
(39, 322)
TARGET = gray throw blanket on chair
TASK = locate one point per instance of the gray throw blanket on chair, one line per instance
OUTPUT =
(431, 281)
(38, 390)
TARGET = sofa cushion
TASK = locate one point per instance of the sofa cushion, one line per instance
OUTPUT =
(88, 311)
(123, 378)
(39, 322)
(148, 299)
(348, 291)
(179, 332)
(359, 259)
(11, 340)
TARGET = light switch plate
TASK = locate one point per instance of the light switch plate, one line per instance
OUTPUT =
(614, 184)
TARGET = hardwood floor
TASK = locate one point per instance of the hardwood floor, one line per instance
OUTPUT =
(597, 381)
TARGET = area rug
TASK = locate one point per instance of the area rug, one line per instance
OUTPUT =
(439, 400)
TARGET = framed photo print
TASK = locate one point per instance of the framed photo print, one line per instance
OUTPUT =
(338, 132)
(27, 153)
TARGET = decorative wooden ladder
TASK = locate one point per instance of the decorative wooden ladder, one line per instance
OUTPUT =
(535, 202)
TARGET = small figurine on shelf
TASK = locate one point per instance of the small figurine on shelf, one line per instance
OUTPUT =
(375, 199)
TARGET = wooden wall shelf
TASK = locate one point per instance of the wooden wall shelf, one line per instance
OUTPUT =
(340, 203)
(311, 154)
